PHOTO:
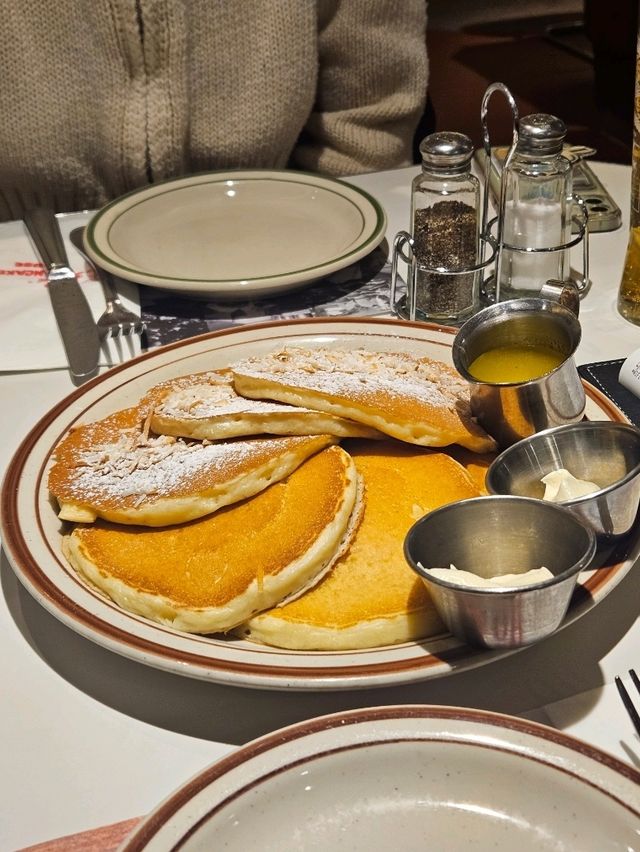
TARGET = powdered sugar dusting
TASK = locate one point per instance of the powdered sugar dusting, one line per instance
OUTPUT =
(418, 400)
(132, 466)
(361, 374)
(216, 399)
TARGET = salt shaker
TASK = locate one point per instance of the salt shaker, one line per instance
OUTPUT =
(537, 210)
(445, 215)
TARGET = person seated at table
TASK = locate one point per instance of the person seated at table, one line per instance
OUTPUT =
(100, 98)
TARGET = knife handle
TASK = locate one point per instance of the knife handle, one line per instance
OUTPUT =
(45, 232)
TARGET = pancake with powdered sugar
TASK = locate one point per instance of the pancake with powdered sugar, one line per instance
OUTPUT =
(116, 470)
(206, 406)
(417, 400)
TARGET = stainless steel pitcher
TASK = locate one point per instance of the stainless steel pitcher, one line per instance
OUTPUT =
(511, 411)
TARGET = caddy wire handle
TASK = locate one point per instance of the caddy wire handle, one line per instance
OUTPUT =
(486, 142)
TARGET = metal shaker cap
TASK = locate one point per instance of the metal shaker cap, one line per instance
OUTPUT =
(540, 133)
(446, 151)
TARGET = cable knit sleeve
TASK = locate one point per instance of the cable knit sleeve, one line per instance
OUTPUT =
(372, 86)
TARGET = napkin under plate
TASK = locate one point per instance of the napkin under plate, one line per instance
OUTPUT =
(29, 336)
(362, 289)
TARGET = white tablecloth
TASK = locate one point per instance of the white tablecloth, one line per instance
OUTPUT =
(89, 738)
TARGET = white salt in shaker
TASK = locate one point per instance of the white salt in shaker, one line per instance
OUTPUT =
(537, 209)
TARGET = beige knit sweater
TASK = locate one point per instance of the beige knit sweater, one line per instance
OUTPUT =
(100, 97)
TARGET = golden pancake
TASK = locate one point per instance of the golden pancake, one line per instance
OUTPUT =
(417, 400)
(206, 406)
(476, 465)
(371, 596)
(209, 575)
(113, 470)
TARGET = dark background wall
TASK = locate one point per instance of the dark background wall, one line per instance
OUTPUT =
(572, 58)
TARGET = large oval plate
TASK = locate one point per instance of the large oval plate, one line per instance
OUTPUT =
(236, 234)
(411, 777)
(32, 531)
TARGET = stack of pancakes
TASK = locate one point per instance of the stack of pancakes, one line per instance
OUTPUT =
(224, 501)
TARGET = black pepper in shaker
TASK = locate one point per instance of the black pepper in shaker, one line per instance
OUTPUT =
(445, 214)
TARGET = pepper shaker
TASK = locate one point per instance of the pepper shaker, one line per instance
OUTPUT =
(445, 215)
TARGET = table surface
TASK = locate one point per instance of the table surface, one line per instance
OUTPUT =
(89, 738)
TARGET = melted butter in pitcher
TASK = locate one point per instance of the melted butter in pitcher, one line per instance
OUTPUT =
(517, 363)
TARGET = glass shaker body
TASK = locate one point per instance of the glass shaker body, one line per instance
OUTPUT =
(445, 205)
(537, 212)
(629, 292)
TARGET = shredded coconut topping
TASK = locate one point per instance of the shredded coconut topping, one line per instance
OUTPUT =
(135, 466)
(215, 400)
(338, 371)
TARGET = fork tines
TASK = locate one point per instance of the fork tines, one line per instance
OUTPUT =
(628, 701)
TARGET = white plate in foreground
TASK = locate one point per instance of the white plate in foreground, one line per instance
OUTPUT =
(236, 234)
(413, 777)
(32, 532)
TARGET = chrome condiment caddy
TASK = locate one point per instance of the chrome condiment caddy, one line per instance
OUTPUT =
(535, 205)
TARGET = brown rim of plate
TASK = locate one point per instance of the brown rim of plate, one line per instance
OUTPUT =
(159, 817)
(161, 656)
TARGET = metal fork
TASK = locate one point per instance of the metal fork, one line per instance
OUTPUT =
(627, 700)
(116, 320)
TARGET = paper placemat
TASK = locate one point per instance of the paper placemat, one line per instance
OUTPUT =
(29, 336)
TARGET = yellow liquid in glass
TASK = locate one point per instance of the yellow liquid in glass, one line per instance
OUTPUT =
(629, 294)
(515, 364)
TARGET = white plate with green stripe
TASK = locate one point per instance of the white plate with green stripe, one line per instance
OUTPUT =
(236, 234)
